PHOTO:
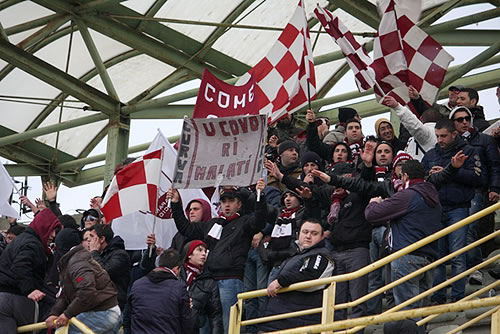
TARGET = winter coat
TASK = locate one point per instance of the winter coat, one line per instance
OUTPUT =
(335, 136)
(24, 262)
(115, 260)
(86, 285)
(490, 159)
(459, 191)
(204, 292)
(159, 303)
(228, 241)
(478, 118)
(308, 264)
(414, 214)
(351, 229)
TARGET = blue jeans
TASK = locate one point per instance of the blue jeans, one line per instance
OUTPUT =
(100, 322)
(228, 290)
(256, 274)
(449, 244)
(403, 266)
(474, 256)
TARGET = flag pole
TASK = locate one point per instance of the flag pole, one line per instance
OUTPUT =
(306, 65)
(156, 201)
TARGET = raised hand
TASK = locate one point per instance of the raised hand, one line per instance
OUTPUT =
(50, 191)
(458, 159)
(273, 169)
(322, 175)
(413, 92)
(368, 153)
(304, 192)
(310, 117)
(390, 101)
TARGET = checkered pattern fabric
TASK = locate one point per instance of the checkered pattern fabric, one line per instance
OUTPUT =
(355, 54)
(283, 75)
(405, 55)
(134, 188)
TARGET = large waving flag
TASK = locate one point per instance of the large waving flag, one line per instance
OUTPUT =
(285, 77)
(356, 56)
(6, 186)
(134, 188)
(403, 54)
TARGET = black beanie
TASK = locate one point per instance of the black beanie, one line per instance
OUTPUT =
(66, 239)
(286, 145)
(346, 113)
(310, 157)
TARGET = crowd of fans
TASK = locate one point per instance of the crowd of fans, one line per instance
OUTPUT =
(333, 202)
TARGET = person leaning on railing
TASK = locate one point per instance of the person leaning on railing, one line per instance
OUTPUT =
(87, 291)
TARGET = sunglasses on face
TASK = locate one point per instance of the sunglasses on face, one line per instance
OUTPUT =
(90, 218)
(461, 119)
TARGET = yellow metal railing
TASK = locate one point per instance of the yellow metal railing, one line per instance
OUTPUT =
(329, 306)
(64, 330)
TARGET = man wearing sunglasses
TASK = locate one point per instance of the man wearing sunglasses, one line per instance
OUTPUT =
(469, 98)
(490, 160)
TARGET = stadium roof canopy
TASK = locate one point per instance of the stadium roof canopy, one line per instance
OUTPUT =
(76, 72)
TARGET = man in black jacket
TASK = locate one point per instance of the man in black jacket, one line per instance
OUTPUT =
(311, 261)
(159, 302)
(489, 190)
(110, 253)
(22, 270)
(228, 238)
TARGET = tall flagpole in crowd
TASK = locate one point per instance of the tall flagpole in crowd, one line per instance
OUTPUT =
(156, 201)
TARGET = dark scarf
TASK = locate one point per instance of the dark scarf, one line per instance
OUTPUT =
(287, 213)
(412, 182)
(192, 271)
(337, 198)
(230, 219)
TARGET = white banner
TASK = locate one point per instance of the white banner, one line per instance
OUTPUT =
(227, 149)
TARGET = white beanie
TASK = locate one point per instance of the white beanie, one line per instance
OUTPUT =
(461, 108)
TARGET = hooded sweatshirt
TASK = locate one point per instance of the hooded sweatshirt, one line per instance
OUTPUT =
(414, 214)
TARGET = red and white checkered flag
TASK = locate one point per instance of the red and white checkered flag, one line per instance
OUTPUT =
(405, 55)
(283, 76)
(355, 54)
(134, 188)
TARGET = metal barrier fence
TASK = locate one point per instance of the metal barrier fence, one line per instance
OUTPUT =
(328, 306)
(63, 330)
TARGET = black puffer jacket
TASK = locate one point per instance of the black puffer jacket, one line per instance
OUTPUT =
(351, 229)
(229, 250)
(115, 260)
(204, 292)
(23, 264)
(308, 264)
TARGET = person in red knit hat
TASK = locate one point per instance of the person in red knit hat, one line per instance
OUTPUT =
(202, 289)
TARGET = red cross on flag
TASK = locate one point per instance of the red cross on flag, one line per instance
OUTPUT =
(286, 73)
(404, 55)
(134, 188)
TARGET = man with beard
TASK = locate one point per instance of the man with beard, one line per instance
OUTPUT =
(455, 198)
